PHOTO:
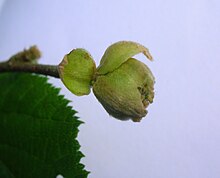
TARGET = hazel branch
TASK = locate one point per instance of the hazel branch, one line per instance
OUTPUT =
(26, 61)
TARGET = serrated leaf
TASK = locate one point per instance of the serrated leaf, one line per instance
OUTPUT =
(77, 70)
(37, 130)
(118, 53)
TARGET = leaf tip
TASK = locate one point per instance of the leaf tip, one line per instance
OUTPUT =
(147, 54)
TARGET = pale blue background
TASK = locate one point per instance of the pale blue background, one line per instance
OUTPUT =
(180, 137)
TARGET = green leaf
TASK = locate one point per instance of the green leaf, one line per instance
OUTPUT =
(4, 171)
(77, 70)
(38, 130)
(118, 53)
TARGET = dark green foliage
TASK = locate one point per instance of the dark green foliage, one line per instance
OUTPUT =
(37, 130)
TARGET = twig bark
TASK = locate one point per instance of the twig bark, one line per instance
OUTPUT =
(26, 61)
(50, 70)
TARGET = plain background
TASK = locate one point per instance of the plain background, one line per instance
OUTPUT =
(180, 137)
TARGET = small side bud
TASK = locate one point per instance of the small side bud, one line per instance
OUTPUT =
(27, 56)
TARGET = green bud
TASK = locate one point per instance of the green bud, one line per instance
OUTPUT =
(127, 86)
(76, 71)
(122, 84)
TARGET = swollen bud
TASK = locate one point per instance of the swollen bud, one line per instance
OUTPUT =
(122, 84)
(126, 86)
(76, 71)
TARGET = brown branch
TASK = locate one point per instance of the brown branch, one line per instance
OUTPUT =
(50, 70)
(26, 61)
